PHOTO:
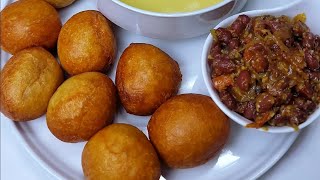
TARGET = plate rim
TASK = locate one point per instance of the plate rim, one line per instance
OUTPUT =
(27, 147)
(55, 174)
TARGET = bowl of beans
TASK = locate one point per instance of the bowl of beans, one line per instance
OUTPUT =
(262, 68)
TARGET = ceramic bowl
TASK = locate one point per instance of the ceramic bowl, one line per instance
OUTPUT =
(168, 25)
(290, 10)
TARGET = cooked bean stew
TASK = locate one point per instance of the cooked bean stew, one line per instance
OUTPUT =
(267, 69)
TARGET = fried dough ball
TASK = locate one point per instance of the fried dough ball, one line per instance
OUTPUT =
(146, 77)
(81, 106)
(86, 43)
(60, 3)
(28, 80)
(120, 151)
(188, 130)
(29, 23)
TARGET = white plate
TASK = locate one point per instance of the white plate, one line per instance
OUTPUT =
(248, 154)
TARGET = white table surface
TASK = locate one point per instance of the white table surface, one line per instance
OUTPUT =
(300, 162)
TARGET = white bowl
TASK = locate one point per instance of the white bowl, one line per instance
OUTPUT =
(289, 10)
(171, 25)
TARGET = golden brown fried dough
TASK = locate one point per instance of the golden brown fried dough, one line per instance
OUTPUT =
(146, 77)
(81, 106)
(28, 80)
(188, 130)
(86, 43)
(29, 23)
(60, 3)
(120, 151)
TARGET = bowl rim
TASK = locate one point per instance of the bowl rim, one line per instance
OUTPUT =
(173, 15)
(231, 114)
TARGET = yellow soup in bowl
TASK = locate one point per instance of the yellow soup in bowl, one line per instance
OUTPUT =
(171, 6)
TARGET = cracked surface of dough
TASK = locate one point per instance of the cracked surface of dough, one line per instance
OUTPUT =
(81, 106)
(28, 80)
(188, 130)
(29, 23)
(86, 43)
(120, 151)
(146, 77)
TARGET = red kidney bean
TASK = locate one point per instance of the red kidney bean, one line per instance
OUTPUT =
(228, 100)
(297, 117)
(264, 102)
(260, 64)
(223, 65)
(224, 35)
(244, 19)
(215, 49)
(279, 120)
(253, 50)
(309, 106)
(305, 90)
(257, 54)
(311, 60)
(299, 102)
(234, 43)
(250, 110)
(243, 80)
(278, 87)
(237, 27)
(280, 29)
(215, 52)
(304, 104)
(284, 97)
(274, 26)
(308, 40)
